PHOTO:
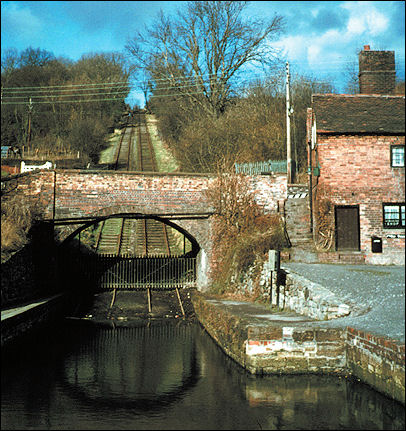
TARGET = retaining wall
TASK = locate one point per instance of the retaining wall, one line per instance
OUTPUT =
(290, 347)
(281, 347)
(378, 361)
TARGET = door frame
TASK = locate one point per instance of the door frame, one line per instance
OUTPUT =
(336, 227)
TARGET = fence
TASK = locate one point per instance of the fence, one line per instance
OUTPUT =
(259, 168)
(27, 168)
(105, 271)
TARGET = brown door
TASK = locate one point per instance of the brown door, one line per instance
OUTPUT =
(347, 227)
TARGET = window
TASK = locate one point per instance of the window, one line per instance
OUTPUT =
(397, 156)
(394, 216)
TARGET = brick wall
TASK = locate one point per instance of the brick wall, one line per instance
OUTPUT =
(297, 215)
(270, 190)
(290, 347)
(377, 73)
(30, 273)
(72, 193)
(94, 193)
(356, 170)
(378, 361)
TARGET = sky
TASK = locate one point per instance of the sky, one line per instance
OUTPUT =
(320, 40)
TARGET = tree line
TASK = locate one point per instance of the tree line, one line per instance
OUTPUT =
(198, 70)
(58, 105)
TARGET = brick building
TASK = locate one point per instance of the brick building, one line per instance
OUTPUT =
(356, 146)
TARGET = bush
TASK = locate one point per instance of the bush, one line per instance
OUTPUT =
(87, 136)
(18, 215)
(243, 234)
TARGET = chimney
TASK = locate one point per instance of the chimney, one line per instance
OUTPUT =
(376, 71)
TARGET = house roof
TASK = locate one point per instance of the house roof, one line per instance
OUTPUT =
(359, 113)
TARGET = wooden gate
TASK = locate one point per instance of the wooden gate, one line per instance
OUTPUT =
(347, 228)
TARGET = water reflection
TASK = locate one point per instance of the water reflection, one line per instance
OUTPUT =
(140, 367)
(169, 375)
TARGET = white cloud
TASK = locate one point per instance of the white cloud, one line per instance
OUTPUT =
(365, 18)
(294, 47)
(332, 48)
(313, 49)
(377, 22)
(356, 25)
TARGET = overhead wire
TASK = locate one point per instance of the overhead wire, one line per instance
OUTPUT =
(9, 95)
(187, 79)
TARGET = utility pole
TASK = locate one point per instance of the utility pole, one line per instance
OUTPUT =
(288, 139)
(29, 124)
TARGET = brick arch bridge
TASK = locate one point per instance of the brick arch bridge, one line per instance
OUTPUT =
(74, 199)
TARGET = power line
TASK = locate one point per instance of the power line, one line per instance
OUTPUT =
(84, 92)
(63, 101)
(65, 95)
(188, 82)
(67, 85)
(60, 91)
(167, 78)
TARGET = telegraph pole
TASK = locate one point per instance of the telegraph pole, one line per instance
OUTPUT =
(288, 139)
(29, 124)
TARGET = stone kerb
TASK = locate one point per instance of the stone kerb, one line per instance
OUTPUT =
(293, 292)
(311, 299)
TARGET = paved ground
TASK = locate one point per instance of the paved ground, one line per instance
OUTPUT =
(378, 290)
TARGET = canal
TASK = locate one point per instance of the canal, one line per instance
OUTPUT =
(168, 374)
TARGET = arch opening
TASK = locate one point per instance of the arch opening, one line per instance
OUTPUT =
(132, 234)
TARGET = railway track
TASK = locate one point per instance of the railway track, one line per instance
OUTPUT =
(135, 237)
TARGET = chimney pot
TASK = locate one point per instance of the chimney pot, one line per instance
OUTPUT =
(367, 47)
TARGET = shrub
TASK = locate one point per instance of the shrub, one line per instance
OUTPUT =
(243, 234)
(87, 136)
(18, 215)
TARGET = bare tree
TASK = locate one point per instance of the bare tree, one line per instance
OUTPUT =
(350, 74)
(197, 53)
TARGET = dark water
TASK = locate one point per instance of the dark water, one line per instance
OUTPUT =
(169, 375)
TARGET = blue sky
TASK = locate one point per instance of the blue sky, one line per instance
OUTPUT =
(320, 39)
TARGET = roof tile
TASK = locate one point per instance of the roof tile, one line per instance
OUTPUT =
(360, 113)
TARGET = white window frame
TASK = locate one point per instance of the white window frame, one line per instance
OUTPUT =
(397, 161)
(393, 215)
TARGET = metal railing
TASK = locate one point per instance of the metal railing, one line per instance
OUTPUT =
(105, 271)
(258, 168)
